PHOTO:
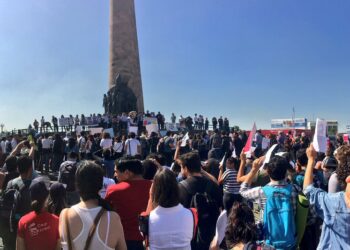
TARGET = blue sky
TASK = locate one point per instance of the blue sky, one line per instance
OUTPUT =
(247, 60)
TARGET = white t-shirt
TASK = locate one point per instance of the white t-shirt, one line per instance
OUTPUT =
(170, 228)
(106, 143)
(106, 183)
(131, 146)
(118, 147)
(46, 143)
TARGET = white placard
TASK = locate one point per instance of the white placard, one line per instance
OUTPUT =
(184, 140)
(110, 131)
(94, 131)
(133, 129)
(320, 138)
(152, 128)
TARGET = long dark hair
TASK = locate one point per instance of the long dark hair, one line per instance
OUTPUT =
(89, 181)
(241, 226)
(165, 189)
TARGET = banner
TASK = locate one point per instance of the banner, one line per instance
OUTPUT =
(320, 138)
(152, 128)
(297, 123)
(149, 121)
(133, 129)
(94, 131)
(248, 146)
(63, 122)
(171, 127)
(110, 131)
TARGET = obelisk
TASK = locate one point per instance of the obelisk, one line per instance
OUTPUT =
(124, 51)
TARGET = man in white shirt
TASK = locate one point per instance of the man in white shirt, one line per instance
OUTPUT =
(3, 145)
(46, 151)
(132, 145)
(81, 145)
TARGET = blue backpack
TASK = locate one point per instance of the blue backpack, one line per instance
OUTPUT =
(279, 221)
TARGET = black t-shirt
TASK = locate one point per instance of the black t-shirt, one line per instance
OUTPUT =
(199, 184)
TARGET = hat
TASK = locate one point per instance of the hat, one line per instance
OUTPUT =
(57, 190)
(38, 191)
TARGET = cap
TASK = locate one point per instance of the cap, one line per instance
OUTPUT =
(38, 191)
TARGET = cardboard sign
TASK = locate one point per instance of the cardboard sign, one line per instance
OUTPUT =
(94, 131)
(133, 129)
(320, 138)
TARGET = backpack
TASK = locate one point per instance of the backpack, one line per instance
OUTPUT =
(14, 203)
(67, 176)
(208, 213)
(279, 223)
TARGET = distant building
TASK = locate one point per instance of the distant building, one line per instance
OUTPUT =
(332, 127)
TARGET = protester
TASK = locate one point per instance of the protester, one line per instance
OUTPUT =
(132, 146)
(57, 198)
(241, 232)
(195, 186)
(129, 198)
(281, 233)
(171, 226)
(230, 185)
(38, 229)
(76, 222)
(334, 209)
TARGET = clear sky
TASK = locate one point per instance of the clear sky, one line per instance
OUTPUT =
(249, 60)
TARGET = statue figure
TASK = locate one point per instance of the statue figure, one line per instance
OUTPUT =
(120, 98)
(105, 104)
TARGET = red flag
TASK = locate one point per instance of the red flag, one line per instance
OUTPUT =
(249, 143)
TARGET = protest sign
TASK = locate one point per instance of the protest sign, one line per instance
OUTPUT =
(152, 128)
(149, 121)
(94, 131)
(184, 140)
(78, 130)
(171, 127)
(346, 138)
(110, 131)
(248, 149)
(133, 129)
(63, 122)
(320, 139)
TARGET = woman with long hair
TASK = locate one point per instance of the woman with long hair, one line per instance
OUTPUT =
(171, 226)
(241, 229)
(38, 229)
(90, 224)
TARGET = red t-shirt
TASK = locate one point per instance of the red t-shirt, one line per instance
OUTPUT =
(39, 231)
(129, 199)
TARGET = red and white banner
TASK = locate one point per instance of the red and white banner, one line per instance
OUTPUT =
(248, 146)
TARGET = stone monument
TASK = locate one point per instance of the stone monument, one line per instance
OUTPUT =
(125, 86)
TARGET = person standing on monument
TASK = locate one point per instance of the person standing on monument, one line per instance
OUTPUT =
(173, 118)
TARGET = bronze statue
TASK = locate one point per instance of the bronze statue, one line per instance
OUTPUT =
(120, 98)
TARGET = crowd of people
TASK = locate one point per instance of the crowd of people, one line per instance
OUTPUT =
(199, 190)
(122, 121)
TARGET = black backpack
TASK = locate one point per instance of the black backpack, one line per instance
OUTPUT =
(67, 176)
(208, 213)
(14, 203)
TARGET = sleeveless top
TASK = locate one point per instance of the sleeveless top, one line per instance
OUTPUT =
(87, 217)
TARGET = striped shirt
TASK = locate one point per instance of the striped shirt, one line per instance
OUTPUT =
(230, 181)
